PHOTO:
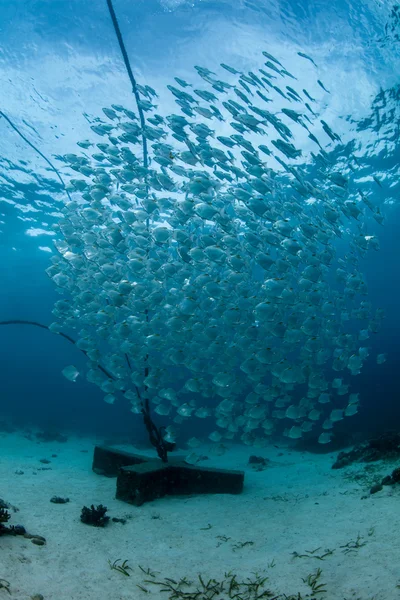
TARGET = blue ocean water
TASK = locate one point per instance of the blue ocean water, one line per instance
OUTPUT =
(60, 65)
(69, 65)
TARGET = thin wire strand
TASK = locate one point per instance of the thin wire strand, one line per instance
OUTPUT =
(142, 123)
(67, 337)
(132, 80)
(64, 335)
(2, 114)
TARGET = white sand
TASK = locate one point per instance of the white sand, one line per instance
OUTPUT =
(296, 505)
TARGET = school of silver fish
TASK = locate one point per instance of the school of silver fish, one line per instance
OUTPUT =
(219, 275)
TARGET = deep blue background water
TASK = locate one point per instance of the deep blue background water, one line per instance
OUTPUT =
(164, 39)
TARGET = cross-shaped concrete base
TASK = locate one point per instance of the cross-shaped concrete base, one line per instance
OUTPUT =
(141, 479)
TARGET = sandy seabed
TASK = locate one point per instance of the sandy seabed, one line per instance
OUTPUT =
(297, 505)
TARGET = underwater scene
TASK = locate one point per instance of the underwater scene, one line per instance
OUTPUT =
(199, 302)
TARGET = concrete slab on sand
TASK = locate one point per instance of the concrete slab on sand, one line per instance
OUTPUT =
(142, 479)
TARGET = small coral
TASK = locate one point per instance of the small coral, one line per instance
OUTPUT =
(94, 516)
(59, 500)
(4, 518)
(4, 515)
(14, 529)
